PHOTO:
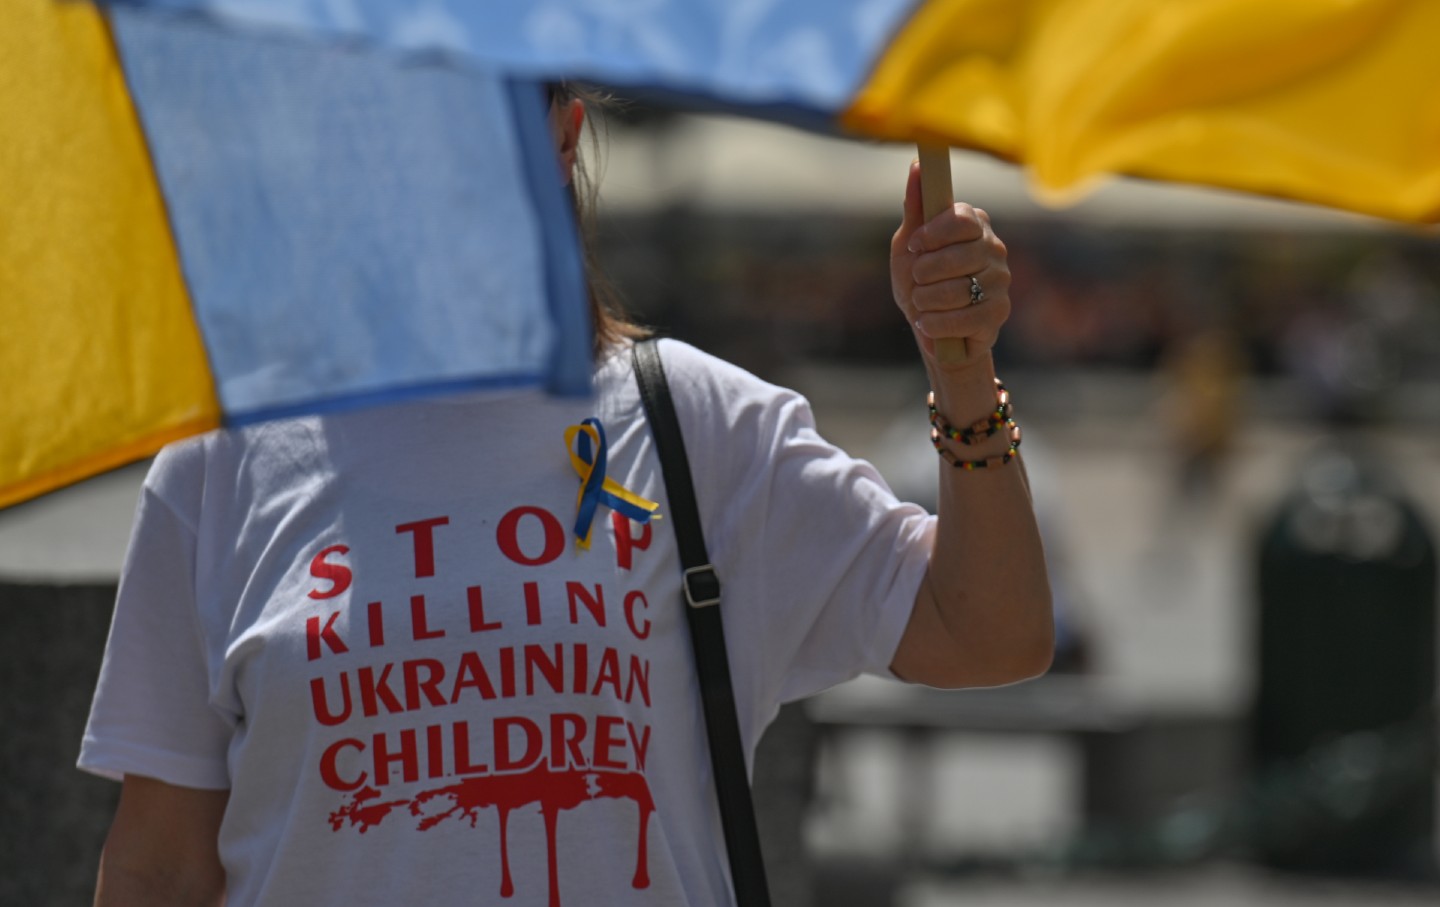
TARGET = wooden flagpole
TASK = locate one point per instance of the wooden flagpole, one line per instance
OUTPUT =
(937, 194)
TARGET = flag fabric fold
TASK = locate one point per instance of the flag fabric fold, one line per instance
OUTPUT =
(1328, 102)
(351, 229)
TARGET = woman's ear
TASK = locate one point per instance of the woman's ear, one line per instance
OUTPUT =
(567, 119)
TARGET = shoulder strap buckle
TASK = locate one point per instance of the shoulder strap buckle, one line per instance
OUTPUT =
(702, 586)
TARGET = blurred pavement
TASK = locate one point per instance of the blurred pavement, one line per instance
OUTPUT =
(1220, 886)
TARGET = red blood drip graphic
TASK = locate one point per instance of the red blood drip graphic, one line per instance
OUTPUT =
(551, 791)
(364, 816)
(633, 786)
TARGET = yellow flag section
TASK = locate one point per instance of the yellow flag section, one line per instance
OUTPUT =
(100, 359)
(1326, 101)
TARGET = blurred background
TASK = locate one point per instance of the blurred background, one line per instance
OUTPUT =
(1231, 410)
(1232, 424)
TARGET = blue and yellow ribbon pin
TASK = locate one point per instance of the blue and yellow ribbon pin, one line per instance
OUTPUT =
(588, 457)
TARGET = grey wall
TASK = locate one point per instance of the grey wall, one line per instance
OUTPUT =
(52, 816)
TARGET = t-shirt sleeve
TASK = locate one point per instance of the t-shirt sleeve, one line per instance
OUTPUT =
(820, 562)
(151, 714)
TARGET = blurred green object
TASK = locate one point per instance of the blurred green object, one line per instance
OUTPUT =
(1346, 680)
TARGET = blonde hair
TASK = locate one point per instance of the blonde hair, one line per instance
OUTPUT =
(611, 324)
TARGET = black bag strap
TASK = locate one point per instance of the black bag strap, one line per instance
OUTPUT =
(702, 609)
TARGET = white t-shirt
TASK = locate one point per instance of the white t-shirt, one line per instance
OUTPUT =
(376, 629)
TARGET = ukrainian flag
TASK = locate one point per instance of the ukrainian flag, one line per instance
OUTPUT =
(206, 227)
(218, 211)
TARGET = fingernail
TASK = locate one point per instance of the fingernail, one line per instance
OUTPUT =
(914, 244)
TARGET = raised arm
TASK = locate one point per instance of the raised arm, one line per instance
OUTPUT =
(982, 616)
(162, 850)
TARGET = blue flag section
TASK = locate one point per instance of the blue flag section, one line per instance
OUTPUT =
(797, 58)
(353, 228)
(363, 192)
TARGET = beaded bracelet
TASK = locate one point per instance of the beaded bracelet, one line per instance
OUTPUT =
(979, 429)
(986, 463)
(940, 430)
